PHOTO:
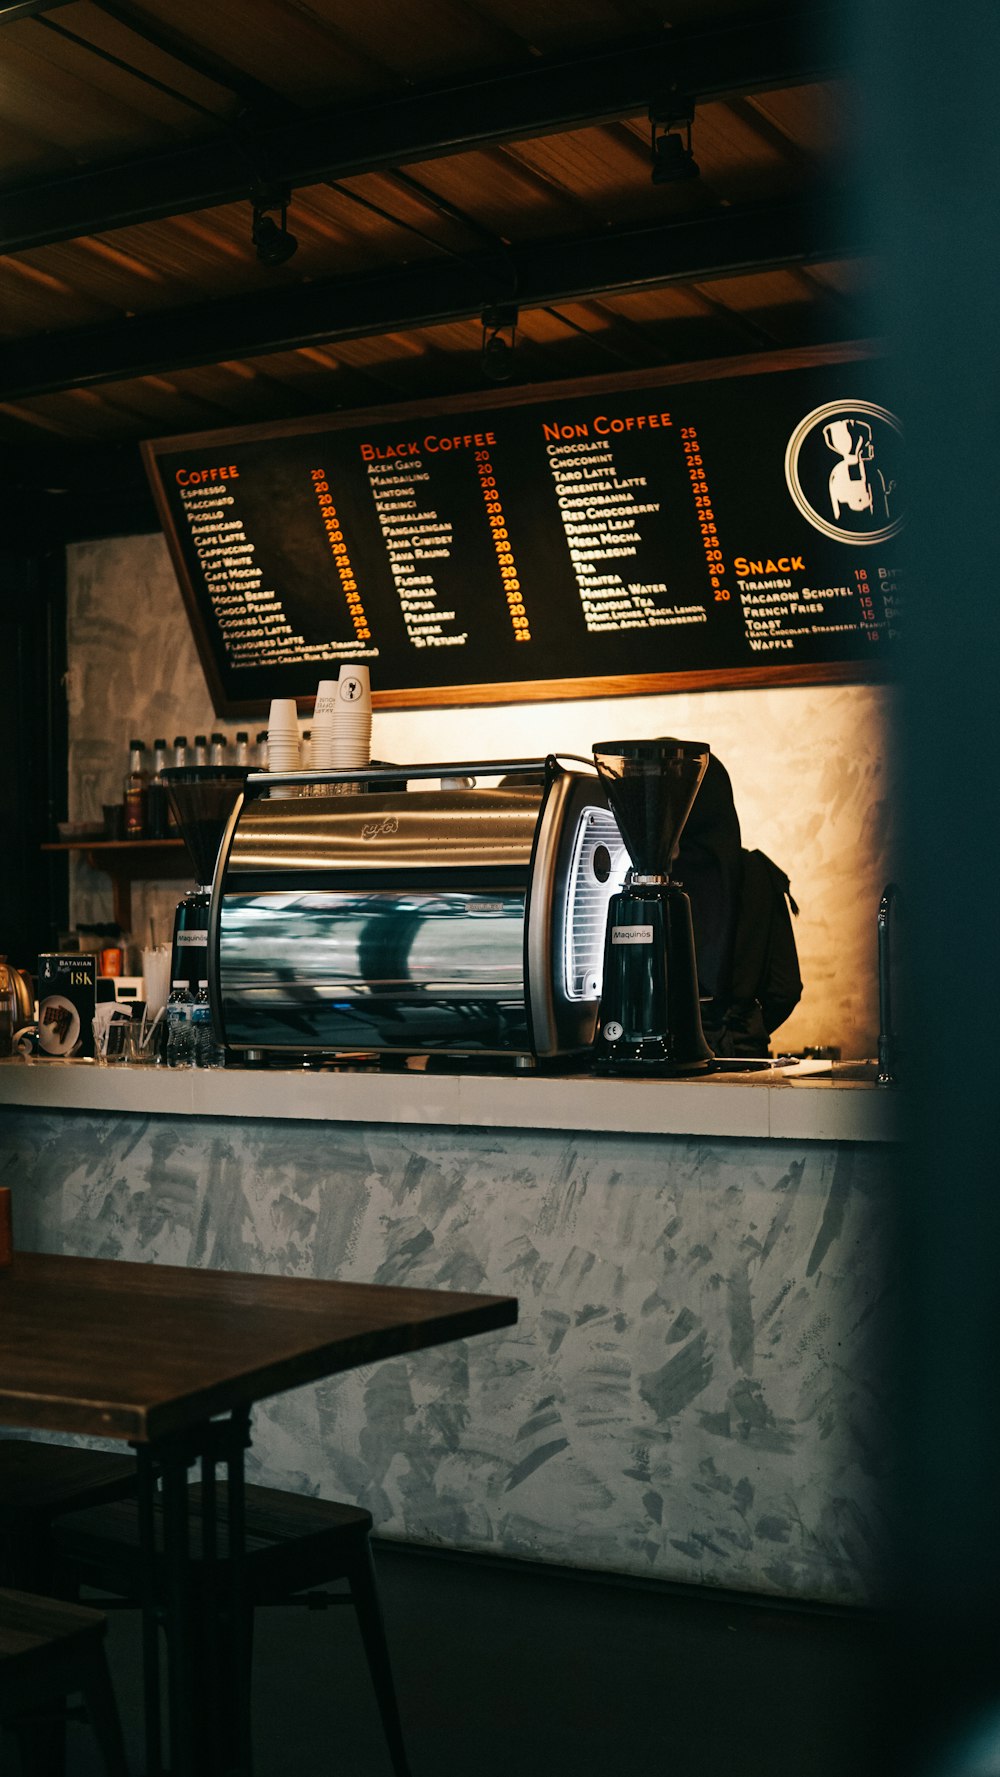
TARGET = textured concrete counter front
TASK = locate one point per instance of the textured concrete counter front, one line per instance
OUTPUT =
(695, 1389)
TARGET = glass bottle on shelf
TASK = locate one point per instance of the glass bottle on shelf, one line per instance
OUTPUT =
(157, 810)
(218, 749)
(241, 754)
(180, 750)
(135, 790)
(200, 750)
(262, 750)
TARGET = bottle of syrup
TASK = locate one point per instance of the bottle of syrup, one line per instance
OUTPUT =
(135, 789)
(157, 813)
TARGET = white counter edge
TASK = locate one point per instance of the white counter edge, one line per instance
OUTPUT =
(748, 1106)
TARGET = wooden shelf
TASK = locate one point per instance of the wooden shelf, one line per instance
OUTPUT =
(130, 860)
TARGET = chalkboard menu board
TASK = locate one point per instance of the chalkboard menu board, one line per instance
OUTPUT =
(634, 535)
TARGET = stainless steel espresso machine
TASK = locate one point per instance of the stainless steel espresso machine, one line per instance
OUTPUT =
(464, 922)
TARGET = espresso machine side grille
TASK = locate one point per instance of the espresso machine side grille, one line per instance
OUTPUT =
(597, 872)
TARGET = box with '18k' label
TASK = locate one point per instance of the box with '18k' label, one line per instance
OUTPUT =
(67, 995)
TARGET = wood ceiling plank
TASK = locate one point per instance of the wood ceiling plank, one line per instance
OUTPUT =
(816, 118)
(848, 277)
(26, 152)
(592, 167)
(573, 24)
(85, 107)
(166, 51)
(420, 42)
(119, 62)
(32, 416)
(301, 52)
(35, 301)
(504, 192)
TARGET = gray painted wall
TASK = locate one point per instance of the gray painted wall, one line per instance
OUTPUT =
(694, 1390)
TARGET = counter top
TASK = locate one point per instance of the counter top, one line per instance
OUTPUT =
(765, 1105)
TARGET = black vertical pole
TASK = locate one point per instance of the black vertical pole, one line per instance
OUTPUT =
(928, 157)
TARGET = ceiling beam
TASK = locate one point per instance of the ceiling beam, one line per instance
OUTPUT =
(540, 274)
(774, 50)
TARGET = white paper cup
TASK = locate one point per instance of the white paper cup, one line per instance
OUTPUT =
(354, 687)
(284, 713)
(326, 699)
(346, 753)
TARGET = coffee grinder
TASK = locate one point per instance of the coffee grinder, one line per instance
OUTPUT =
(202, 798)
(650, 1017)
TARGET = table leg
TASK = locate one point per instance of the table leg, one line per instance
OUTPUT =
(147, 1473)
(240, 1619)
(178, 1614)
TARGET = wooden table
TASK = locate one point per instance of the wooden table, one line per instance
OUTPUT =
(172, 1360)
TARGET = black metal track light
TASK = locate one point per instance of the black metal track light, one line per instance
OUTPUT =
(498, 352)
(673, 160)
(274, 244)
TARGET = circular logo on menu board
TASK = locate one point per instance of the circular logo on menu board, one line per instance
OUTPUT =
(843, 469)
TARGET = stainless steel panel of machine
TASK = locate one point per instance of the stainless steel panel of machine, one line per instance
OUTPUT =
(377, 969)
(402, 831)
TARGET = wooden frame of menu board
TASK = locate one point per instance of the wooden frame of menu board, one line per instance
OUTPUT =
(723, 524)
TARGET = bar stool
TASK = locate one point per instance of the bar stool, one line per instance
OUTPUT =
(49, 1651)
(38, 1481)
(294, 1543)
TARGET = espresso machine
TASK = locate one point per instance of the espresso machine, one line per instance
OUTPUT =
(649, 1021)
(202, 798)
(416, 917)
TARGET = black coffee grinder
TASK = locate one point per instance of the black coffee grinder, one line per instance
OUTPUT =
(202, 798)
(650, 1017)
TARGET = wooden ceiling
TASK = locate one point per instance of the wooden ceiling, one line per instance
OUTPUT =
(442, 159)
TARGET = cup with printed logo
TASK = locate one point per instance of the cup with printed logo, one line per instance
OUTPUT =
(352, 717)
(353, 705)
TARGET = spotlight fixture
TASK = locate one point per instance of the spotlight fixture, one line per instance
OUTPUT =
(497, 352)
(673, 161)
(274, 244)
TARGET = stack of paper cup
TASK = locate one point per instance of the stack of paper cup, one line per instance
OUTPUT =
(342, 722)
(156, 977)
(283, 748)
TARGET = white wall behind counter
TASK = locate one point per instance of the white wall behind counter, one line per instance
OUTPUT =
(810, 765)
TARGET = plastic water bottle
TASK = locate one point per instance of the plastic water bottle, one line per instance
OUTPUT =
(207, 1052)
(180, 1028)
